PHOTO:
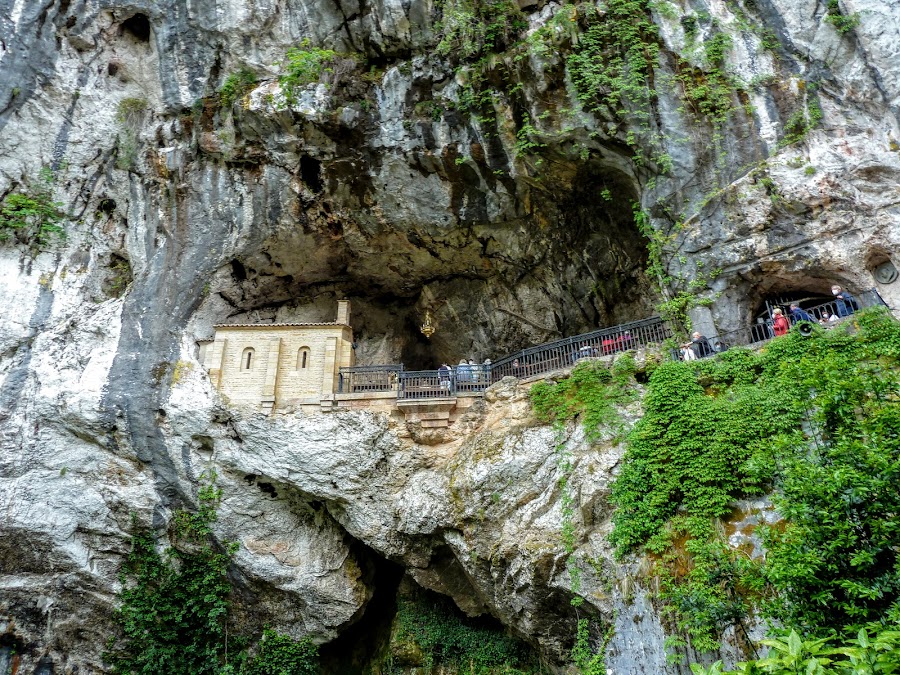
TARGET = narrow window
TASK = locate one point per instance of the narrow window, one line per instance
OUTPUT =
(247, 359)
(303, 358)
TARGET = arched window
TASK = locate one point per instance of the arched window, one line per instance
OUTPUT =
(247, 358)
(303, 358)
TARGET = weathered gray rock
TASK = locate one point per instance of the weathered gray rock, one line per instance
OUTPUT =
(379, 189)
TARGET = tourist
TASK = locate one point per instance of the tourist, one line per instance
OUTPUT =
(687, 352)
(444, 376)
(462, 371)
(825, 320)
(780, 325)
(486, 370)
(474, 370)
(799, 315)
(700, 346)
(844, 302)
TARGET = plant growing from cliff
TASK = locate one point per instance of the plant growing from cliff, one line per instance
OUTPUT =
(842, 23)
(31, 213)
(305, 65)
(130, 116)
(174, 606)
(471, 29)
(235, 86)
(816, 417)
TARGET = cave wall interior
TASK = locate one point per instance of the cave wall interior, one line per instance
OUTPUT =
(513, 224)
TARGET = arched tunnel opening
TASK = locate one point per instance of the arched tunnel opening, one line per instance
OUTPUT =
(576, 262)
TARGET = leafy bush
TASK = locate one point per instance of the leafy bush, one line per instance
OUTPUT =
(174, 608)
(31, 213)
(279, 654)
(448, 639)
(842, 24)
(817, 419)
(235, 86)
(792, 655)
(306, 65)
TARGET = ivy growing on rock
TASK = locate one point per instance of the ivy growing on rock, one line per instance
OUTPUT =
(175, 604)
(814, 419)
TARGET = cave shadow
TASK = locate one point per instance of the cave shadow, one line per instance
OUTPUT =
(352, 652)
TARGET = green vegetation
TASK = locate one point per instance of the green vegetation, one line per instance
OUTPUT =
(815, 418)
(305, 65)
(430, 624)
(791, 655)
(31, 213)
(813, 421)
(174, 608)
(130, 116)
(235, 86)
(278, 654)
(592, 394)
(803, 120)
(471, 29)
(842, 24)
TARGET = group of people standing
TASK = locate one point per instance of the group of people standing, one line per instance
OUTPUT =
(466, 372)
(698, 348)
(825, 315)
(844, 305)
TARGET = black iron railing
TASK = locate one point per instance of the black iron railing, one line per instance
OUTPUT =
(475, 378)
(367, 379)
(825, 314)
(426, 384)
(563, 353)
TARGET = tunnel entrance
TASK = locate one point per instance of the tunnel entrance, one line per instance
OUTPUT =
(358, 646)
(805, 299)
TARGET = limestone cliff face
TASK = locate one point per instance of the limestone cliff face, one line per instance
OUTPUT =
(379, 188)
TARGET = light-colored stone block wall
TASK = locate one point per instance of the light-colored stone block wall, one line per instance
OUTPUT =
(276, 366)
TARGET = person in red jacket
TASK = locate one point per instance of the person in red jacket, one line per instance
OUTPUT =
(780, 325)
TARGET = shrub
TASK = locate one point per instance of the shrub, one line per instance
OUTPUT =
(305, 65)
(814, 417)
(31, 213)
(235, 86)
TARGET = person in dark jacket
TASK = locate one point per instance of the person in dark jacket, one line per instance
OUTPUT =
(799, 314)
(844, 302)
(701, 345)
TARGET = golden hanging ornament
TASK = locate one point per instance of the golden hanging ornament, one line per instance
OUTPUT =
(427, 326)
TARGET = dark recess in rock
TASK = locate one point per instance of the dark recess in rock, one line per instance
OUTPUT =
(365, 640)
(138, 27)
(310, 172)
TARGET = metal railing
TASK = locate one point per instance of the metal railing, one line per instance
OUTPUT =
(367, 379)
(552, 356)
(825, 314)
(473, 379)
(426, 384)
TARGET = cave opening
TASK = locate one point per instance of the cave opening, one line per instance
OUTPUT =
(576, 264)
(362, 643)
(311, 173)
(805, 298)
(138, 27)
